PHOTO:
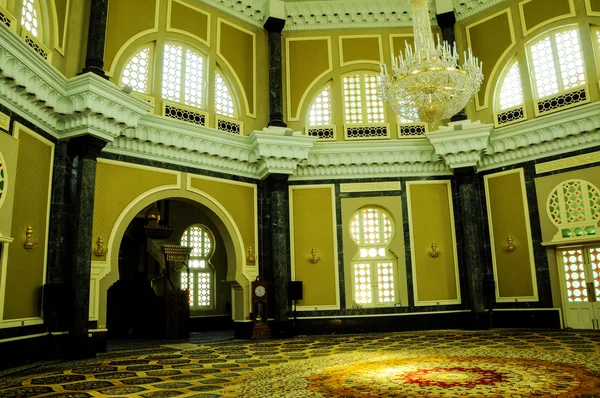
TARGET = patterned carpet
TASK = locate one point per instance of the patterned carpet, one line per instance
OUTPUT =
(432, 364)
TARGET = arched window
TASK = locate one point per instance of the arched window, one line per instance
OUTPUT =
(320, 110)
(30, 18)
(372, 229)
(574, 207)
(361, 99)
(558, 70)
(200, 279)
(509, 98)
(224, 104)
(183, 75)
(136, 73)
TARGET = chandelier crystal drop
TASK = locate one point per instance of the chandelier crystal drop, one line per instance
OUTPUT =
(427, 82)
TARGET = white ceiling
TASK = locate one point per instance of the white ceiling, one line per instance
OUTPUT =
(335, 14)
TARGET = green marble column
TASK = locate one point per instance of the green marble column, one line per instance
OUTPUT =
(83, 152)
(446, 22)
(94, 60)
(274, 26)
(56, 307)
(278, 267)
(470, 232)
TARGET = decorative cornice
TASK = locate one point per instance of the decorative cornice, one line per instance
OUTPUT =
(461, 143)
(85, 104)
(377, 159)
(344, 14)
(549, 135)
(347, 14)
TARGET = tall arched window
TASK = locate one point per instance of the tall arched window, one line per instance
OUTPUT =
(372, 229)
(200, 279)
(136, 73)
(183, 75)
(30, 18)
(319, 121)
(558, 70)
(509, 97)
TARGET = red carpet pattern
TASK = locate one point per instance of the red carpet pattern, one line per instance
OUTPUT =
(423, 364)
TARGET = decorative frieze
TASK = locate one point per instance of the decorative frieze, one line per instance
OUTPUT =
(572, 161)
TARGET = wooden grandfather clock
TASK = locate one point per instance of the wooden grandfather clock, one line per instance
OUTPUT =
(259, 308)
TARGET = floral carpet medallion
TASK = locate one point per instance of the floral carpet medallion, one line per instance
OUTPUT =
(453, 376)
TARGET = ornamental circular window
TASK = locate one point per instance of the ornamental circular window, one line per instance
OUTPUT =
(574, 207)
(2, 180)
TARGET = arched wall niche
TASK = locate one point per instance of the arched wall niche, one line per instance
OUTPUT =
(240, 284)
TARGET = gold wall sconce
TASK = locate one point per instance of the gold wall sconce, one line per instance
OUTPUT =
(510, 244)
(314, 259)
(30, 243)
(100, 250)
(434, 252)
(250, 258)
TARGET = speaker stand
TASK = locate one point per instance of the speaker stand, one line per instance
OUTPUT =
(294, 332)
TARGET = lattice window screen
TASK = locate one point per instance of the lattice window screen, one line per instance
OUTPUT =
(183, 76)
(29, 18)
(511, 91)
(136, 72)
(320, 111)
(223, 99)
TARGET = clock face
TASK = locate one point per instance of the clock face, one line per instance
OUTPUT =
(260, 291)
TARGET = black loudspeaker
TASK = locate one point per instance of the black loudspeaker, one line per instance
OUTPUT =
(295, 290)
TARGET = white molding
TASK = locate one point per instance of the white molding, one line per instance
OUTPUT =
(544, 136)
(99, 269)
(461, 144)
(85, 104)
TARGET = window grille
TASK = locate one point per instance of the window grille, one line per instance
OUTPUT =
(558, 71)
(361, 99)
(509, 101)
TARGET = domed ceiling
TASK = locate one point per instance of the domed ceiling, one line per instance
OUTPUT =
(335, 14)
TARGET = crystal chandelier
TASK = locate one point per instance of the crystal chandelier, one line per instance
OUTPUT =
(427, 83)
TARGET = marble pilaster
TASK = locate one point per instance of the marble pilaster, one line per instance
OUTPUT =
(446, 22)
(274, 26)
(94, 59)
(83, 152)
(471, 241)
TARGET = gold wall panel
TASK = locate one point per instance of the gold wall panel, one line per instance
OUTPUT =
(238, 199)
(431, 220)
(307, 59)
(393, 205)
(184, 18)
(237, 47)
(8, 156)
(127, 19)
(62, 9)
(535, 13)
(314, 226)
(25, 273)
(508, 213)
(117, 184)
(593, 6)
(543, 187)
(490, 39)
(360, 49)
